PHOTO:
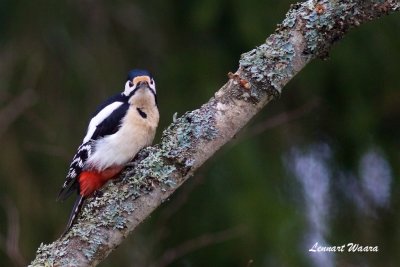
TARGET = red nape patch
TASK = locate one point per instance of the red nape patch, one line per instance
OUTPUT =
(91, 181)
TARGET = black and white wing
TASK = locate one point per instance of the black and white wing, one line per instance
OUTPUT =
(70, 185)
(106, 121)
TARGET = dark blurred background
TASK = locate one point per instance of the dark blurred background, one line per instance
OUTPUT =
(319, 164)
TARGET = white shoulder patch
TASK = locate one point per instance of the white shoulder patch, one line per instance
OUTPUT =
(101, 116)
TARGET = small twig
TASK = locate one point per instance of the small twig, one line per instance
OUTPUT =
(16, 107)
(202, 241)
(10, 245)
(173, 208)
(161, 229)
(180, 200)
(282, 118)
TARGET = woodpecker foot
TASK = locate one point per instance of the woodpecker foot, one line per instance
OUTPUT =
(131, 164)
(98, 194)
(138, 157)
(118, 178)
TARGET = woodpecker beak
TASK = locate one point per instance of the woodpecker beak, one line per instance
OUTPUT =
(141, 80)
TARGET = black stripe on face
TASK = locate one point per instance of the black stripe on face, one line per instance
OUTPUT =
(155, 96)
(144, 87)
(141, 113)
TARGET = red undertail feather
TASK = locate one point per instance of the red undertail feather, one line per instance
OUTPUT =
(91, 181)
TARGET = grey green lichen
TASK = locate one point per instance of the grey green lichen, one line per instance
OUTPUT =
(162, 165)
(321, 23)
(326, 21)
(49, 253)
(324, 24)
(270, 63)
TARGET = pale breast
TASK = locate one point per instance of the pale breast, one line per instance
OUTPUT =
(135, 133)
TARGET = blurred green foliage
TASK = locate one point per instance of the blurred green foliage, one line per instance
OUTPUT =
(74, 54)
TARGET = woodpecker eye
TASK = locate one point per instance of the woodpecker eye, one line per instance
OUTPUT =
(151, 81)
(130, 84)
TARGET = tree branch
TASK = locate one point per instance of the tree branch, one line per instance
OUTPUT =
(308, 32)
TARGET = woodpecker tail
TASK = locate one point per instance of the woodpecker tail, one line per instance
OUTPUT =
(74, 213)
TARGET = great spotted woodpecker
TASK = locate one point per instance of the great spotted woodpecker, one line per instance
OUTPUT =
(120, 127)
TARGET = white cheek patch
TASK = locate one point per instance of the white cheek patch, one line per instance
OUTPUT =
(152, 85)
(99, 118)
(129, 89)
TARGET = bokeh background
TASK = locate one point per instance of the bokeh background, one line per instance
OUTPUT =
(319, 164)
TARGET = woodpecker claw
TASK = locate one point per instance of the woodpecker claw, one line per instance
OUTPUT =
(98, 194)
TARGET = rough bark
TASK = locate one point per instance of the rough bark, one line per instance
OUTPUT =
(308, 31)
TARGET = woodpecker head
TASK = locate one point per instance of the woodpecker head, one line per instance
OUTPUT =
(140, 85)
